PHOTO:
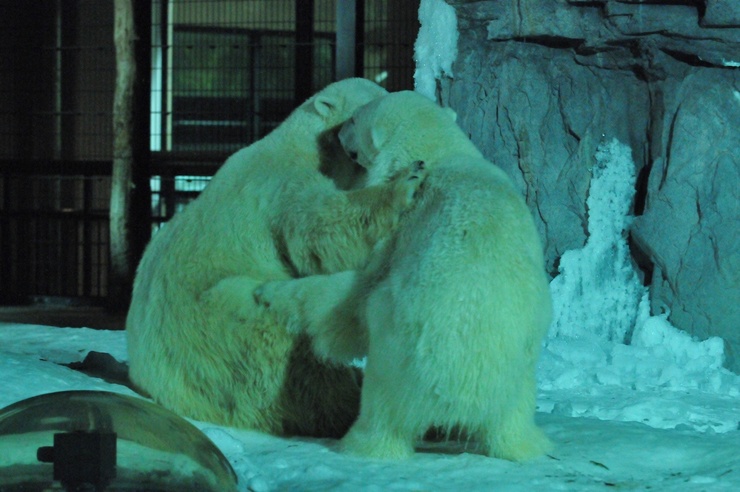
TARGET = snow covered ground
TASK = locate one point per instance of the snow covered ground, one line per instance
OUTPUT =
(630, 401)
(697, 447)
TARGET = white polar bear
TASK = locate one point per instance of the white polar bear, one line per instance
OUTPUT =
(455, 304)
(197, 342)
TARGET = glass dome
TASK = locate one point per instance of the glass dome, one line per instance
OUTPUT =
(96, 440)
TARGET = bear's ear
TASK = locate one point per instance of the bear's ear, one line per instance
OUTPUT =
(324, 105)
(451, 113)
(378, 136)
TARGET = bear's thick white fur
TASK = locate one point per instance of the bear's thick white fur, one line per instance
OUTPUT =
(455, 303)
(197, 341)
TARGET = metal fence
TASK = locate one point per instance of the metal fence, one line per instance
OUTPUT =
(223, 74)
(54, 231)
(53, 235)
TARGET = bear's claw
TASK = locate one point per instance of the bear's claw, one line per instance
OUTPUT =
(415, 180)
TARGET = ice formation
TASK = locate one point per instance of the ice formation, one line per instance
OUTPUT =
(435, 49)
(603, 341)
(597, 292)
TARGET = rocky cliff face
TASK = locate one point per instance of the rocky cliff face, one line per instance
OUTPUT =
(538, 84)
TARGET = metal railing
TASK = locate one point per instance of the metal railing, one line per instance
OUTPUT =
(54, 227)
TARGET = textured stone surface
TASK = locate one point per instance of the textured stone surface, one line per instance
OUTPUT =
(541, 122)
(691, 225)
(539, 84)
(722, 13)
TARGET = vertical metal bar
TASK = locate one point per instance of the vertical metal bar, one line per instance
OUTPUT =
(87, 238)
(164, 21)
(6, 240)
(160, 69)
(303, 69)
(359, 38)
(57, 109)
(346, 30)
(169, 34)
(167, 192)
(69, 91)
(255, 43)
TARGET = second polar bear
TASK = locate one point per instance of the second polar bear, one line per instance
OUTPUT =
(454, 305)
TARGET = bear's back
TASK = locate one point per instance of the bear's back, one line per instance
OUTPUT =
(469, 237)
(465, 276)
(464, 205)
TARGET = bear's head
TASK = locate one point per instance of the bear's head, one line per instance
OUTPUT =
(388, 135)
(336, 102)
(323, 114)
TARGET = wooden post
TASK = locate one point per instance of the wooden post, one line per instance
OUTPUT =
(130, 213)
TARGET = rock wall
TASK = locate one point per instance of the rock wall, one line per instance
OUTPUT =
(538, 84)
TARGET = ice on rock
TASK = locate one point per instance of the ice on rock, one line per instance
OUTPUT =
(597, 292)
(435, 48)
(604, 343)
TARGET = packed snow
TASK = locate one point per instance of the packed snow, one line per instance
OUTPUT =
(630, 401)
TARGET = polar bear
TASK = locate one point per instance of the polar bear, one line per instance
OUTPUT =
(450, 311)
(197, 342)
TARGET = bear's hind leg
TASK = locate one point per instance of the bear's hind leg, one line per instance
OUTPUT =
(383, 429)
(521, 444)
(385, 443)
(513, 435)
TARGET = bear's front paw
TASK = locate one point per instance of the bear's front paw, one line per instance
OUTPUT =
(262, 295)
(279, 299)
(412, 182)
(266, 294)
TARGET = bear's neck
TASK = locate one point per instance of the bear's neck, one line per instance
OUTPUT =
(302, 153)
(295, 138)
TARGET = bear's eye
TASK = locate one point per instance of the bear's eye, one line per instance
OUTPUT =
(353, 155)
